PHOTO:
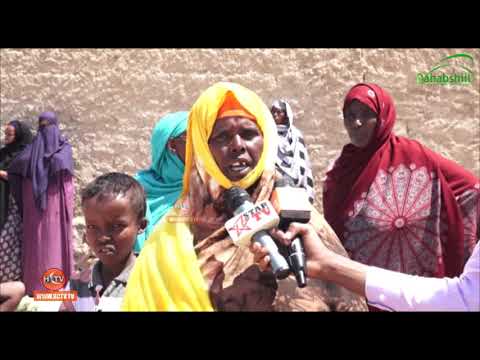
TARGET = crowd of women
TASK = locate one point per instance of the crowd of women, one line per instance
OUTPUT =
(388, 201)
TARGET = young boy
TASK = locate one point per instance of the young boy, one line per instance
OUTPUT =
(114, 209)
(11, 294)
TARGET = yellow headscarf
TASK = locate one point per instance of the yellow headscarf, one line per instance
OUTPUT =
(200, 125)
(167, 276)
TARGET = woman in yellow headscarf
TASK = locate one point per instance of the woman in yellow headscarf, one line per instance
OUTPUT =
(189, 263)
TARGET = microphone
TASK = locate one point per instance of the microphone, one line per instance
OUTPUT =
(292, 204)
(250, 222)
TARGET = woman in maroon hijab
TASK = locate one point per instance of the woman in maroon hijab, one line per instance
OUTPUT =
(393, 202)
(41, 180)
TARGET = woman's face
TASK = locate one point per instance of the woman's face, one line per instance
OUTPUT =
(279, 116)
(43, 122)
(9, 134)
(177, 146)
(236, 144)
(360, 122)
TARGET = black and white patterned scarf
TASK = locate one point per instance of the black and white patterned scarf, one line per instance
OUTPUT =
(292, 158)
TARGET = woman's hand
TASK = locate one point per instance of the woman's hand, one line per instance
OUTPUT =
(3, 175)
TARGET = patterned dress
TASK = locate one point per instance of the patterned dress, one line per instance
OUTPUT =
(10, 245)
(398, 205)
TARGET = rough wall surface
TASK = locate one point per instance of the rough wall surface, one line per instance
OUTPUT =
(108, 100)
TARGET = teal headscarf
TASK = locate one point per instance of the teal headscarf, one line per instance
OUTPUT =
(163, 181)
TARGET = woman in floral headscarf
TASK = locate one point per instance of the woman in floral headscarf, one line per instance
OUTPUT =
(41, 180)
(189, 263)
(393, 202)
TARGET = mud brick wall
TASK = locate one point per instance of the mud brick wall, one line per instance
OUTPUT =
(108, 100)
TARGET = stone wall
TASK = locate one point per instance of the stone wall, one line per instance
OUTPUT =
(108, 100)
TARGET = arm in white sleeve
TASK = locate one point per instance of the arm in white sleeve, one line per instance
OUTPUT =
(395, 291)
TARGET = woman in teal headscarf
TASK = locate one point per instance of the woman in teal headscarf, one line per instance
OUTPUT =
(163, 181)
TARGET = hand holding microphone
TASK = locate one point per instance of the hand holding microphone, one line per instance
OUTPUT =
(250, 223)
(318, 256)
(292, 204)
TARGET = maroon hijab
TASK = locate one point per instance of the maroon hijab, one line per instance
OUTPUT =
(398, 205)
